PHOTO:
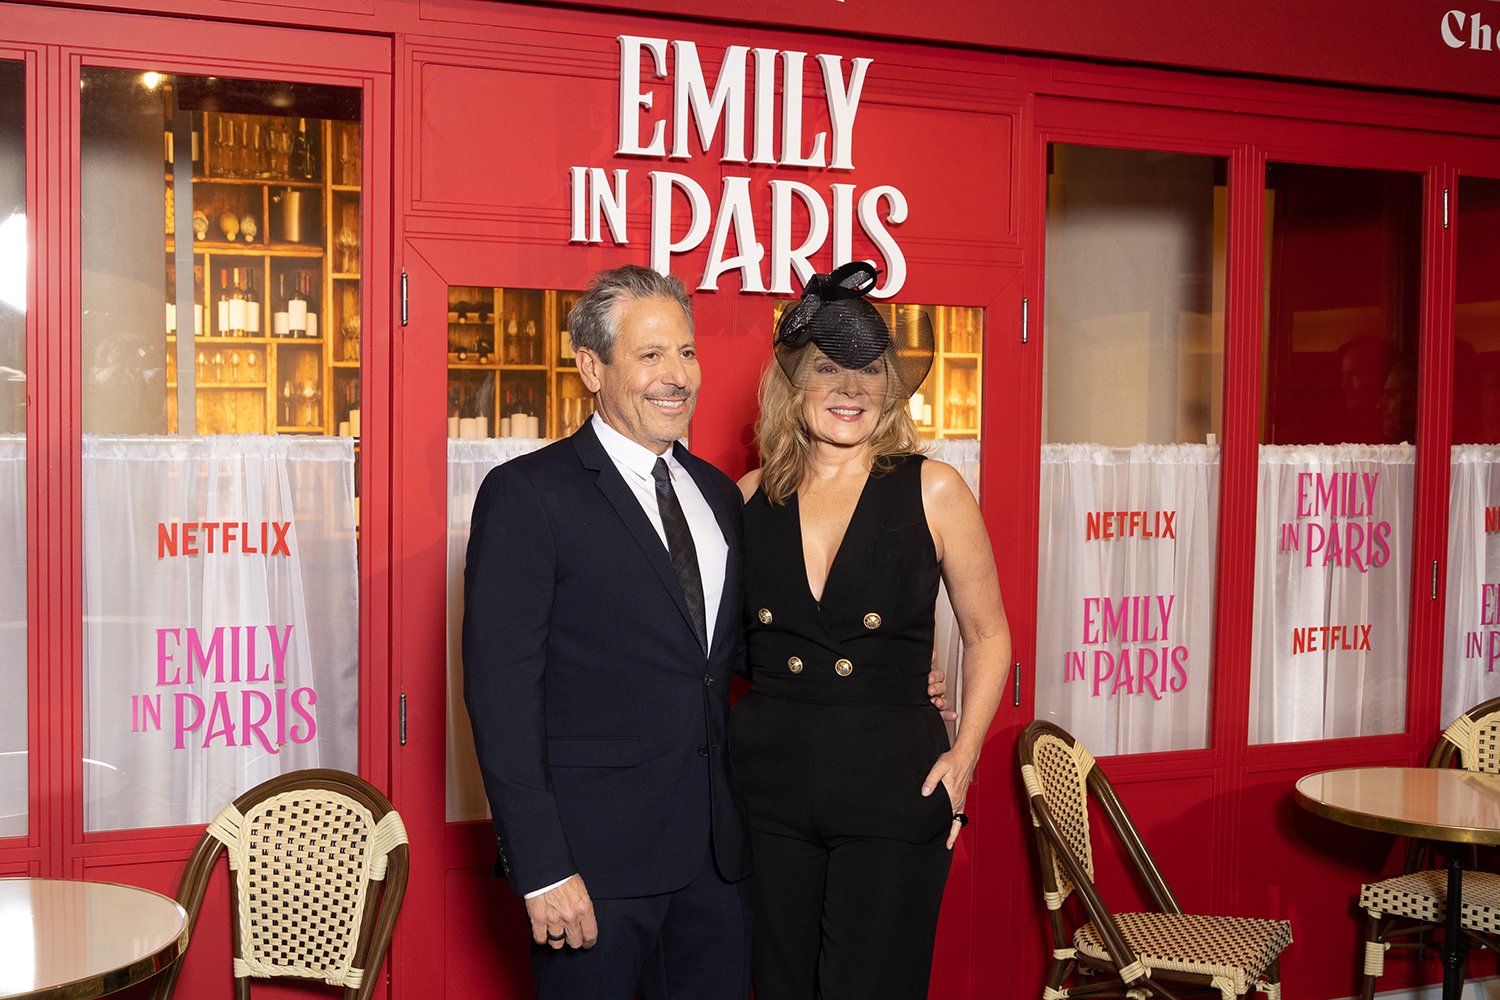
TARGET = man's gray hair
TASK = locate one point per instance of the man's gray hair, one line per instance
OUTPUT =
(591, 322)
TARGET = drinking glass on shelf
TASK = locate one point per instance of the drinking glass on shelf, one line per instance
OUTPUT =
(251, 360)
(351, 338)
(345, 156)
(286, 403)
(347, 241)
(202, 366)
(218, 366)
(234, 366)
(309, 393)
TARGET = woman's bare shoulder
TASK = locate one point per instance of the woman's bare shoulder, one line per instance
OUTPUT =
(749, 483)
(941, 481)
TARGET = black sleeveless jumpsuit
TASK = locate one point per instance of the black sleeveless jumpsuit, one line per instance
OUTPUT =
(831, 747)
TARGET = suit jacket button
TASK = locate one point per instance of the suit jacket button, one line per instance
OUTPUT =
(843, 668)
(794, 664)
(872, 620)
(703, 751)
(764, 614)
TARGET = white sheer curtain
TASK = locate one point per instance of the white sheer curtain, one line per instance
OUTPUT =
(468, 463)
(13, 635)
(1471, 624)
(1127, 542)
(183, 708)
(1332, 591)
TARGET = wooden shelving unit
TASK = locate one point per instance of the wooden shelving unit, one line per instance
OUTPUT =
(509, 357)
(279, 231)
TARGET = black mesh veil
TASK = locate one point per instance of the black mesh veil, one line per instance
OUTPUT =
(886, 351)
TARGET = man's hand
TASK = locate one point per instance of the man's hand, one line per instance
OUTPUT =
(563, 916)
(937, 688)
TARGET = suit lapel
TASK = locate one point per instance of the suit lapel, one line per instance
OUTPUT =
(619, 495)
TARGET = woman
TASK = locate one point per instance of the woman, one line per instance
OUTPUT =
(854, 795)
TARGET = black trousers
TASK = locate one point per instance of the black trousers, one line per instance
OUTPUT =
(850, 858)
(692, 944)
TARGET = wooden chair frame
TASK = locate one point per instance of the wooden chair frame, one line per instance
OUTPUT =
(383, 901)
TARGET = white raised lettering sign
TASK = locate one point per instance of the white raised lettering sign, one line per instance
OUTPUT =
(1467, 31)
(735, 119)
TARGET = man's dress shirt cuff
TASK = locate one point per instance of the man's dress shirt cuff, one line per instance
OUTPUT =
(547, 888)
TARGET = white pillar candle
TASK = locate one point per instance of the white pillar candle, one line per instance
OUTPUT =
(467, 429)
(354, 422)
(482, 427)
(453, 427)
(505, 427)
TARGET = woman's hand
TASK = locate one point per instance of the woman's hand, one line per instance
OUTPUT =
(956, 772)
(937, 691)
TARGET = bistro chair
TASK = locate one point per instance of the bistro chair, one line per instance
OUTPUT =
(1400, 911)
(317, 867)
(1164, 952)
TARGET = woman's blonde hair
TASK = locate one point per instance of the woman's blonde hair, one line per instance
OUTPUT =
(782, 438)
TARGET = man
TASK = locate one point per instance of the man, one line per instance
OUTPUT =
(601, 627)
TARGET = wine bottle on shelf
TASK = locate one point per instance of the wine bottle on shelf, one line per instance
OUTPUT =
(252, 306)
(237, 317)
(296, 309)
(303, 165)
(222, 330)
(281, 323)
(313, 327)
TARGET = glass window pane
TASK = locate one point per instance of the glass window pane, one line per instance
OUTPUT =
(1472, 619)
(220, 441)
(1134, 347)
(13, 283)
(1333, 532)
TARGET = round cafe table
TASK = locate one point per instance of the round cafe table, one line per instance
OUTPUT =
(62, 939)
(1430, 803)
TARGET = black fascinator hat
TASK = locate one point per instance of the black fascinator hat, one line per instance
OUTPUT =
(834, 321)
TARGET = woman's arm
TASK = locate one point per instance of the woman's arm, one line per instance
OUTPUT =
(968, 565)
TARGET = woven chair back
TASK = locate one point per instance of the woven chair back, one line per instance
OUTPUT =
(318, 866)
(1474, 738)
(1059, 767)
(306, 860)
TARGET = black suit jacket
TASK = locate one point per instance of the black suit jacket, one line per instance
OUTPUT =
(599, 723)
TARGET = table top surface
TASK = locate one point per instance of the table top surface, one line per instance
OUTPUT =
(61, 939)
(1434, 803)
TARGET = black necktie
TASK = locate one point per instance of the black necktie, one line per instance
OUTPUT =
(680, 545)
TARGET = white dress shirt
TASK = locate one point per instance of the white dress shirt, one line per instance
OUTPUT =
(635, 463)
